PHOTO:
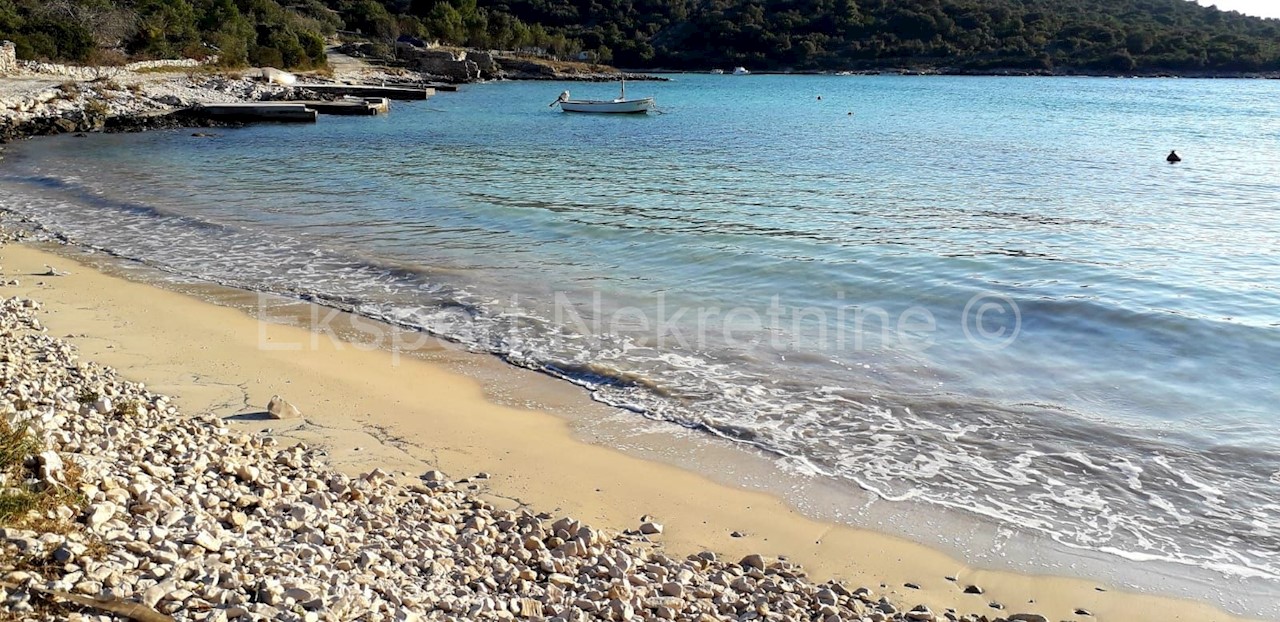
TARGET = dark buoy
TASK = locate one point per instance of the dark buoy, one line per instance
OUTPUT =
(1173, 158)
(819, 98)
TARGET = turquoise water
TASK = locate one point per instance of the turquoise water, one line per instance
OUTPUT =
(988, 294)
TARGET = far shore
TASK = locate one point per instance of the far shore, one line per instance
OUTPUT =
(45, 99)
(465, 413)
(996, 72)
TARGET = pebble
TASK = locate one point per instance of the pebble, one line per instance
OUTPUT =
(100, 513)
(210, 543)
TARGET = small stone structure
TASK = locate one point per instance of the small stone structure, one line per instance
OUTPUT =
(8, 58)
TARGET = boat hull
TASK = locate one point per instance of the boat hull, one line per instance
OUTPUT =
(625, 106)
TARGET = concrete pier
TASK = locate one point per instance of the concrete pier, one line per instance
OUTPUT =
(369, 90)
(366, 106)
(288, 112)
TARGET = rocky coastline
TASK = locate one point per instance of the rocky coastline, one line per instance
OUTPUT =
(144, 512)
(43, 100)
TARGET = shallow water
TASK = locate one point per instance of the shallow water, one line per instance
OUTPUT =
(991, 294)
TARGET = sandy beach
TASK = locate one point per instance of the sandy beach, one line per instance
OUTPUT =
(466, 414)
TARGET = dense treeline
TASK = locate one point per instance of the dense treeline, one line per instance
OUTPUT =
(1091, 35)
(281, 33)
(239, 32)
(979, 35)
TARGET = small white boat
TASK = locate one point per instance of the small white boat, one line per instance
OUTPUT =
(740, 71)
(716, 72)
(619, 105)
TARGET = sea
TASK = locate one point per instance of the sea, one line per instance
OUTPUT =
(988, 296)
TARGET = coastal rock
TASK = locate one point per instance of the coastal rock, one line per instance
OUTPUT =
(100, 513)
(52, 470)
(449, 65)
(650, 528)
(248, 473)
(208, 541)
(152, 595)
(278, 408)
(170, 100)
(8, 58)
(1027, 617)
(921, 613)
(973, 589)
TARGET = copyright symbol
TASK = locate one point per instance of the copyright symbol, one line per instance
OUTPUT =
(991, 321)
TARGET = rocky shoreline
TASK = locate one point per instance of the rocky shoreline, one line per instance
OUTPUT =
(37, 103)
(43, 99)
(156, 515)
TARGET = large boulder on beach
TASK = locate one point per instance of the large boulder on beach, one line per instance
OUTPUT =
(271, 75)
(278, 408)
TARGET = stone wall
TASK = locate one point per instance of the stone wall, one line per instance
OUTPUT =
(156, 64)
(8, 58)
(82, 73)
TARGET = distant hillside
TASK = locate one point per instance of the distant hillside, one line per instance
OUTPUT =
(1091, 35)
(1113, 36)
